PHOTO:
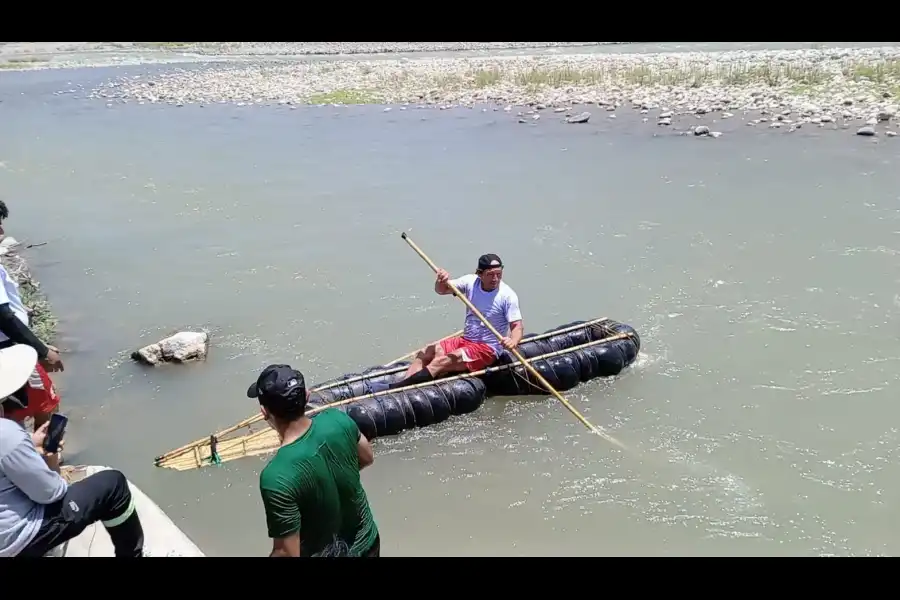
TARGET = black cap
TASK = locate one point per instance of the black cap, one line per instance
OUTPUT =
(489, 261)
(280, 386)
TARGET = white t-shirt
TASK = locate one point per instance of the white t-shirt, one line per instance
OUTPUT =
(500, 308)
(9, 294)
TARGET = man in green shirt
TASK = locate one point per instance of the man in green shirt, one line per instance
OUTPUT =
(311, 489)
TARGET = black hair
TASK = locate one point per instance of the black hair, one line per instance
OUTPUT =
(4, 212)
(287, 409)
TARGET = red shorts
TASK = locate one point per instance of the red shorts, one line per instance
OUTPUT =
(477, 355)
(42, 396)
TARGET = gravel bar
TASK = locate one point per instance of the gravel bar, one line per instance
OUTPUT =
(785, 88)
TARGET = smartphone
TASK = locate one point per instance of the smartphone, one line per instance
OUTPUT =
(55, 432)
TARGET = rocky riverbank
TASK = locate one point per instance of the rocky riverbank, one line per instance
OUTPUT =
(43, 322)
(825, 86)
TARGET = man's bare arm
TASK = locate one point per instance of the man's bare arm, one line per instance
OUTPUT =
(288, 547)
(516, 331)
(365, 451)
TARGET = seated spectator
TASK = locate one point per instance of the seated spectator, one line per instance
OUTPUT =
(39, 510)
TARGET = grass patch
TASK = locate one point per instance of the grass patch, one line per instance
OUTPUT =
(167, 45)
(886, 71)
(686, 75)
(22, 62)
(343, 97)
(43, 323)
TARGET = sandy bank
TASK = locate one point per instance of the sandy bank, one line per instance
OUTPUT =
(43, 322)
(826, 86)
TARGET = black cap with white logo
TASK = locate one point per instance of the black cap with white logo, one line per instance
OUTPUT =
(489, 261)
(279, 386)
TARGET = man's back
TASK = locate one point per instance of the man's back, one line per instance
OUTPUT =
(314, 484)
(20, 517)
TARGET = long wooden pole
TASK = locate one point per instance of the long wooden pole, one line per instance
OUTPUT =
(226, 447)
(515, 352)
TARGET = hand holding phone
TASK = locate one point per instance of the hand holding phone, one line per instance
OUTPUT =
(55, 432)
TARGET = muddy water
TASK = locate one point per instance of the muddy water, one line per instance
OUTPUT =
(759, 268)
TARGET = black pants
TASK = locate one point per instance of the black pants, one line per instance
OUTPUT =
(103, 497)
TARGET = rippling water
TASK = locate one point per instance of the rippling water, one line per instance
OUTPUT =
(759, 269)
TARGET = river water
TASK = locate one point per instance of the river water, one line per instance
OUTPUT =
(759, 268)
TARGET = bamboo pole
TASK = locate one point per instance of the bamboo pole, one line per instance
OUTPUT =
(515, 352)
(266, 440)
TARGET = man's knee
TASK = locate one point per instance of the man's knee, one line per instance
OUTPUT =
(430, 352)
(449, 361)
(111, 484)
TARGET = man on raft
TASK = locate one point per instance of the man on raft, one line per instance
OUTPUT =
(477, 348)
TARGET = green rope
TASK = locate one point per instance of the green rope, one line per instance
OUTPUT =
(214, 458)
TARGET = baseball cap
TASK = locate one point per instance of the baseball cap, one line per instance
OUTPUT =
(279, 386)
(489, 261)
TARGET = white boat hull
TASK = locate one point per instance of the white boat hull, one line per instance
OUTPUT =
(161, 536)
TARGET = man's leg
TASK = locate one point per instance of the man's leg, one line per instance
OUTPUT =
(449, 357)
(103, 497)
(423, 357)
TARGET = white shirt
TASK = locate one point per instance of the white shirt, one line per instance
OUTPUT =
(500, 307)
(9, 294)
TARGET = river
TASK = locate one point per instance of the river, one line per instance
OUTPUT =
(759, 268)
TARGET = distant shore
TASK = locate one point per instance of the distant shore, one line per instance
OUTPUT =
(826, 87)
(21, 56)
(836, 88)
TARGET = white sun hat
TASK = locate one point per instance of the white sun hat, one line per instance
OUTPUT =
(16, 365)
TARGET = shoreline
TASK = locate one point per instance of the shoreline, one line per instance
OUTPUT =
(44, 322)
(28, 56)
(839, 87)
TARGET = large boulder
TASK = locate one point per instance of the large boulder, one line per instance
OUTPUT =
(182, 347)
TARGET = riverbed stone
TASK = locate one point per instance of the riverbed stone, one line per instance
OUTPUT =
(184, 346)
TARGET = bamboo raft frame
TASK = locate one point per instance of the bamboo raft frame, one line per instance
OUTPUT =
(200, 453)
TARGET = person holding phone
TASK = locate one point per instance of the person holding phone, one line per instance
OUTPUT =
(38, 399)
(39, 510)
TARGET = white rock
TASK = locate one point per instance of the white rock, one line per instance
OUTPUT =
(867, 131)
(182, 347)
(582, 118)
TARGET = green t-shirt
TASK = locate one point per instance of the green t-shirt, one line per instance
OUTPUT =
(313, 486)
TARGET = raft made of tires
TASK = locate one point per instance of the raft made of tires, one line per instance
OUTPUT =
(565, 356)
